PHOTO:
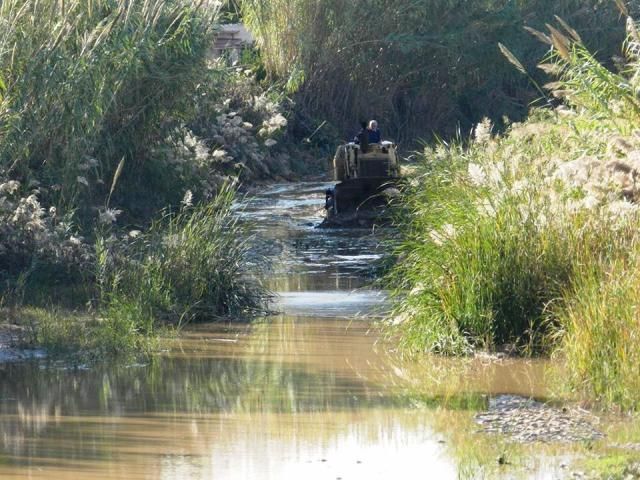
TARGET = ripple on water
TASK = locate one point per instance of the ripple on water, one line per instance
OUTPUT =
(331, 303)
(302, 395)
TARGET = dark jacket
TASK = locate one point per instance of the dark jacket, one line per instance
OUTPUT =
(362, 139)
(374, 136)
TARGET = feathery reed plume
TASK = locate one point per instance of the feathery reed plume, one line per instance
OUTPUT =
(571, 31)
(556, 89)
(560, 42)
(550, 68)
(543, 37)
(622, 6)
(513, 60)
(632, 30)
(116, 176)
(518, 64)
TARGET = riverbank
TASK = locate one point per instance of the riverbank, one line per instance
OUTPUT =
(317, 389)
(193, 265)
(321, 377)
(527, 241)
(117, 178)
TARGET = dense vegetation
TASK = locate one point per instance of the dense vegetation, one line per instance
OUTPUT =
(119, 139)
(420, 67)
(529, 240)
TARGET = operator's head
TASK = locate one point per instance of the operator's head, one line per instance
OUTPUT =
(373, 125)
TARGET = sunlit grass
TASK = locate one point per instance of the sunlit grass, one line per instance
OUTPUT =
(528, 242)
(86, 84)
(191, 265)
(82, 337)
(602, 325)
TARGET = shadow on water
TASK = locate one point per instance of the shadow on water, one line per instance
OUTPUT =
(312, 393)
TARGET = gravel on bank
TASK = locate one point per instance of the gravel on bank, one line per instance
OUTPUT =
(525, 420)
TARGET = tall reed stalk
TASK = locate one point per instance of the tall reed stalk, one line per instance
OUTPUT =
(530, 240)
(87, 83)
(419, 67)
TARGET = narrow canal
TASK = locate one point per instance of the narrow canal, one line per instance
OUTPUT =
(314, 392)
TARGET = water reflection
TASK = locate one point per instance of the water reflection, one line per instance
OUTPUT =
(307, 258)
(276, 396)
(287, 374)
(312, 393)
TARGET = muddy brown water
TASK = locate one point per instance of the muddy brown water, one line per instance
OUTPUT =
(314, 392)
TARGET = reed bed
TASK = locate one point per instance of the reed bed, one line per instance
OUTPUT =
(422, 67)
(527, 242)
(88, 83)
(98, 102)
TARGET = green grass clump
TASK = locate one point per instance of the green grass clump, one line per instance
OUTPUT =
(192, 265)
(531, 239)
(601, 325)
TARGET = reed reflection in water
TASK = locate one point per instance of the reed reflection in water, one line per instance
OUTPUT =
(312, 393)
